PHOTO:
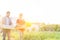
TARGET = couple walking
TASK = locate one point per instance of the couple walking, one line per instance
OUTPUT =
(19, 25)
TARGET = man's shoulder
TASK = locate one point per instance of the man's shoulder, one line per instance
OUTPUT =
(3, 17)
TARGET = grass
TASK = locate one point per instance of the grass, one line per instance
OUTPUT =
(43, 36)
(35, 35)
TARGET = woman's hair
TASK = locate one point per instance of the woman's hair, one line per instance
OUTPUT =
(21, 14)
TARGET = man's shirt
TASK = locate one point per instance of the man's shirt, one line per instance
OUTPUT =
(7, 20)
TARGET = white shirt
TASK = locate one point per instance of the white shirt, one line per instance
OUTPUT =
(7, 20)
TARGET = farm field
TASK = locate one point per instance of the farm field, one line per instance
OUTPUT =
(35, 35)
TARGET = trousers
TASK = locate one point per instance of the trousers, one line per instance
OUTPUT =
(6, 32)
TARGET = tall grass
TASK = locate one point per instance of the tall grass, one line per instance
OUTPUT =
(36, 35)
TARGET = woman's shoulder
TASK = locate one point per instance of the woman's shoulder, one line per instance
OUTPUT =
(17, 19)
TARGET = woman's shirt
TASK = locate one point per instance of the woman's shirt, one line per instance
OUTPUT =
(20, 22)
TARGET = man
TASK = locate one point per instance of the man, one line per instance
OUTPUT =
(6, 21)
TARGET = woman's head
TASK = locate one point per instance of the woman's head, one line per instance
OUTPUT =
(20, 15)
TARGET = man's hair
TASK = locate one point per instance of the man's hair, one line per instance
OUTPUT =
(8, 12)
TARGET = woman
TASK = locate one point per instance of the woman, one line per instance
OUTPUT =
(20, 25)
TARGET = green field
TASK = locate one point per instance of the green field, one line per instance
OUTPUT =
(35, 35)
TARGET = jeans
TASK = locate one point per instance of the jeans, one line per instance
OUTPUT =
(6, 31)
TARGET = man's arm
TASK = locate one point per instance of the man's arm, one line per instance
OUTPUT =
(10, 21)
(3, 21)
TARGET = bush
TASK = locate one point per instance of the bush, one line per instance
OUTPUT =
(50, 27)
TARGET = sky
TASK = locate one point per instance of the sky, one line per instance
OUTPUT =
(47, 11)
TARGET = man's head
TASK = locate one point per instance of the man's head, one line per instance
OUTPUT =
(8, 13)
